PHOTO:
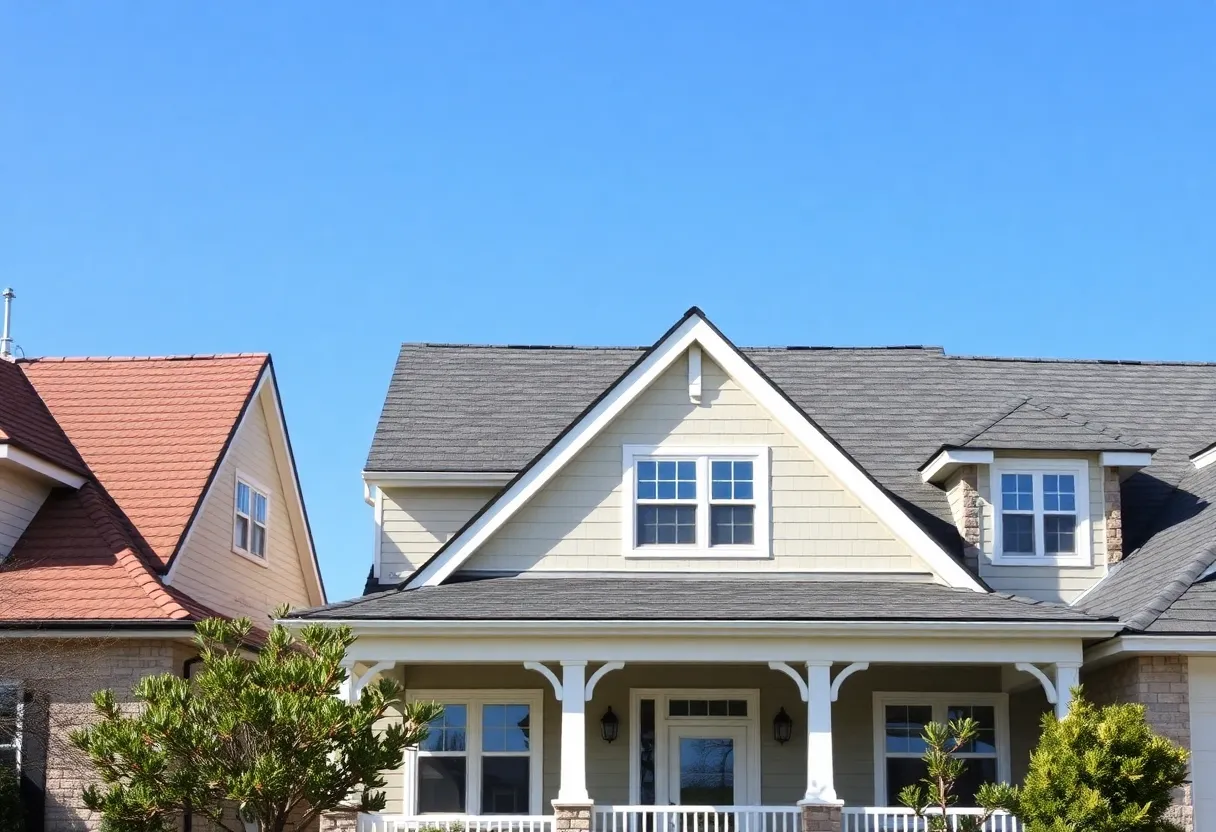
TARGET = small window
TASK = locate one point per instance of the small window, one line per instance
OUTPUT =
(706, 707)
(1041, 514)
(251, 516)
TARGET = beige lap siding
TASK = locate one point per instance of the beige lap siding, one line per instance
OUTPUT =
(575, 523)
(208, 570)
(20, 499)
(417, 521)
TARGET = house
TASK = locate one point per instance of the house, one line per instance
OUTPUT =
(137, 496)
(693, 586)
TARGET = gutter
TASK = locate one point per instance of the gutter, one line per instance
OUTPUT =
(1153, 645)
(115, 628)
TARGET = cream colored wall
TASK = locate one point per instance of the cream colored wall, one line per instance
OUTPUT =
(1046, 583)
(208, 570)
(783, 767)
(414, 522)
(575, 522)
(20, 499)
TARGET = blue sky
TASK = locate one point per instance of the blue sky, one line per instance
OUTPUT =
(323, 181)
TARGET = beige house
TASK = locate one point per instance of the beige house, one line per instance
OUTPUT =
(137, 496)
(693, 586)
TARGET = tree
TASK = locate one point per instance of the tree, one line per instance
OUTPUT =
(934, 795)
(1100, 769)
(266, 734)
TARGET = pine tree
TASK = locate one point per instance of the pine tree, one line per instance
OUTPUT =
(266, 734)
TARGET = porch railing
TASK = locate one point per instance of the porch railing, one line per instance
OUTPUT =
(696, 819)
(455, 823)
(901, 819)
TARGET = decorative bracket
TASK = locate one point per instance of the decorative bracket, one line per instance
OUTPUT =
(607, 668)
(548, 674)
(1048, 687)
(795, 675)
(855, 667)
(360, 683)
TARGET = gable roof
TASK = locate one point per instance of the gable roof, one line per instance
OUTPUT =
(692, 329)
(152, 430)
(1028, 424)
(26, 423)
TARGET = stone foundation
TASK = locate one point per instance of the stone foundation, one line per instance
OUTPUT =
(820, 817)
(572, 817)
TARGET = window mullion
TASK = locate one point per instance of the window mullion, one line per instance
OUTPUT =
(472, 800)
(1040, 527)
(702, 502)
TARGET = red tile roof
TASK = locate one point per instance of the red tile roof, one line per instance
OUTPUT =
(150, 429)
(25, 422)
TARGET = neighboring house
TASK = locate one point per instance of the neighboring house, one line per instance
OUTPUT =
(137, 496)
(647, 580)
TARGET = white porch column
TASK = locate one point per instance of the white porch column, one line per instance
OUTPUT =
(573, 785)
(1068, 675)
(820, 785)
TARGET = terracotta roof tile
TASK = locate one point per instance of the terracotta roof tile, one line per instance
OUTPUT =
(150, 429)
(27, 424)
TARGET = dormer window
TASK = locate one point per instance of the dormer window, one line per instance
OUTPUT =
(1041, 511)
(696, 502)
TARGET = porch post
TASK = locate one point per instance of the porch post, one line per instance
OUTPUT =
(573, 785)
(1068, 675)
(820, 787)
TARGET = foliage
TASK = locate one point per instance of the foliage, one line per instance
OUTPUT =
(1101, 769)
(266, 733)
(12, 813)
(934, 795)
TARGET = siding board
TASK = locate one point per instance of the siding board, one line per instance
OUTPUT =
(20, 499)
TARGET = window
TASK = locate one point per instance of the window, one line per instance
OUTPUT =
(900, 721)
(11, 712)
(696, 502)
(1041, 511)
(251, 516)
(480, 757)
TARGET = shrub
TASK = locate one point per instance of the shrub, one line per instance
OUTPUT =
(12, 813)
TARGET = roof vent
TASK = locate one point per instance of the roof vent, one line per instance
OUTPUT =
(6, 341)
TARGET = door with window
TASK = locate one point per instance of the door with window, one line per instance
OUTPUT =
(707, 765)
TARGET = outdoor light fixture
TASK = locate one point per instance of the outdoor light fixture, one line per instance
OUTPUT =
(783, 727)
(609, 725)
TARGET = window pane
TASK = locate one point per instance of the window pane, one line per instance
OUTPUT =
(646, 735)
(242, 497)
(731, 480)
(441, 784)
(259, 508)
(731, 525)
(1018, 533)
(902, 771)
(737, 707)
(1059, 492)
(976, 772)
(985, 716)
(666, 480)
(905, 724)
(257, 543)
(447, 731)
(1060, 534)
(504, 728)
(718, 707)
(240, 533)
(504, 785)
(666, 525)
(1017, 492)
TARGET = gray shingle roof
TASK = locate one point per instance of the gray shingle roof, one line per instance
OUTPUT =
(720, 597)
(1026, 424)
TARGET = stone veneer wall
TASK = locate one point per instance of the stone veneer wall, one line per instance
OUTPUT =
(1113, 500)
(963, 494)
(1160, 684)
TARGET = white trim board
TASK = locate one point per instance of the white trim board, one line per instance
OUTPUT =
(437, 479)
(693, 329)
(41, 468)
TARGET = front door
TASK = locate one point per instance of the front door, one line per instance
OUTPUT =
(707, 764)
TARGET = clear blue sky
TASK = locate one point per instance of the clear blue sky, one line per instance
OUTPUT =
(325, 180)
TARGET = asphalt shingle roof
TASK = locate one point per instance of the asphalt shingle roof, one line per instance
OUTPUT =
(1026, 424)
(723, 598)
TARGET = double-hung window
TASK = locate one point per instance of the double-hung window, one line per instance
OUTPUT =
(900, 720)
(11, 713)
(708, 502)
(482, 755)
(1041, 511)
(251, 518)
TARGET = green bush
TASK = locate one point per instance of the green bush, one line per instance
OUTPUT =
(12, 813)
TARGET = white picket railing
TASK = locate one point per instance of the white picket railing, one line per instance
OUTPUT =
(455, 823)
(696, 819)
(901, 819)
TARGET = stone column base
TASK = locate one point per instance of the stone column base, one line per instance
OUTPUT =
(572, 817)
(820, 817)
(339, 822)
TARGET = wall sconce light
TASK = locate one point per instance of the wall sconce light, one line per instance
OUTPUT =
(610, 725)
(783, 727)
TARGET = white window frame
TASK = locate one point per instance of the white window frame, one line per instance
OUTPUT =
(474, 700)
(762, 491)
(1036, 468)
(940, 702)
(254, 487)
(19, 728)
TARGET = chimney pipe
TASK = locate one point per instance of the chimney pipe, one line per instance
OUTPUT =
(6, 341)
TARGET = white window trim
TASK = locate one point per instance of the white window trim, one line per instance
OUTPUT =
(762, 489)
(254, 485)
(662, 722)
(1079, 468)
(19, 729)
(940, 702)
(474, 700)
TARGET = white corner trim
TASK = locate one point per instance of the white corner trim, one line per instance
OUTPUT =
(795, 675)
(1204, 458)
(1048, 687)
(694, 374)
(555, 682)
(695, 329)
(378, 522)
(855, 667)
(1125, 459)
(597, 675)
(942, 465)
(437, 479)
(40, 467)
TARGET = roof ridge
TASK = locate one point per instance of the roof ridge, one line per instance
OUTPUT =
(64, 359)
(996, 416)
(1084, 422)
(1173, 589)
(1119, 361)
(930, 348)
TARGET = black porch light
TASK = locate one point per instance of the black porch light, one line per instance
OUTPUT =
(610, 724)
(783, 727)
